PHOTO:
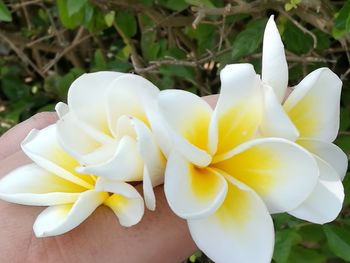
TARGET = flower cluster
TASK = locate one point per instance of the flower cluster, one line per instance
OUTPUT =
(225, 170)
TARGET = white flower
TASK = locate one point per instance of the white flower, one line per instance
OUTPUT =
(52, 181)
(223, 180)
(107, 128)
(310, 117)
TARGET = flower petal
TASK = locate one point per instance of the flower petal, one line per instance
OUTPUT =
(187, 118)
(238, 111)
(274, 63)
(192, 192)
(269, 167)
(148, 192)
(275, 121)
(119, 161)
(57, 220)
(87, 98)
(129, 95)
(154, 161)
(241, 230)
(328, 152)
(313, 105)
(126, 202)
(74, 138)
(32, 185)
(61, 109)
(43, 148)
(326, 201)
(150, 152)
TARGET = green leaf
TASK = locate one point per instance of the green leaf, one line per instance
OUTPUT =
(248, 40)
(127, 23)
(344, 119)
(5, 14)
(174, 5)
(338, 240)
(346, 183)
(296, 40)
(323, 39)
(284, 241)
(342, 21)
(99, 60)
(305, 255)
(109, 18)
(74, 6)
(68, 21)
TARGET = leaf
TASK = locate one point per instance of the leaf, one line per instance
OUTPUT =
(205, 35)
(296, 40)
(5, 14)
(127, 23)
(68, 21)
(323, 39)
(305, 255)
(248, 40)
(99, 60)
(178, 5)
(74, 6)
(342, 21)
(338, 241)
(109, 18)
(284, 242)
(344, 119)
(346, 183)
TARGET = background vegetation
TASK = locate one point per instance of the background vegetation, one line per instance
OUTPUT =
(182, 44)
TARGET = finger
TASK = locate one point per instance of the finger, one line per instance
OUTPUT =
(12, 162)
(211, 99)
(10, 141)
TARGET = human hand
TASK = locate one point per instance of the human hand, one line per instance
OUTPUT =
(159, 237)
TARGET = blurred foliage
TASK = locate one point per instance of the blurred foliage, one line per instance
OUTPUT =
(46, 44)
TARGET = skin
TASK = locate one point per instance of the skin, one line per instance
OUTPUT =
(161, 236)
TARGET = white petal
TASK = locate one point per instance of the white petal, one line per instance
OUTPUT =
(275, 121)
(126, 202)
(274, 63)
(61, 109)
(314, 105)
(241, 230)
(87, 98)
(187, 118)
(192, 192)
(124, 127)
(159, 129)
(281, 172)
(74, 138)
(326, 201)
(32, 185)
(150, 152)
(129, 95)
(328, 152)
(120, 161)
(238, 111)
(148, 192)
(43, 148)
(57, 220)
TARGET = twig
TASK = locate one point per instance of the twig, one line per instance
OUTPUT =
(21, 55)
(77, 40)
(300, 26)
(344, 76)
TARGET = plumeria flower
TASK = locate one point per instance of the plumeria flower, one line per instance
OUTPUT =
(52, 181)
(107, 128)
(223, 179)
(310, 117)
